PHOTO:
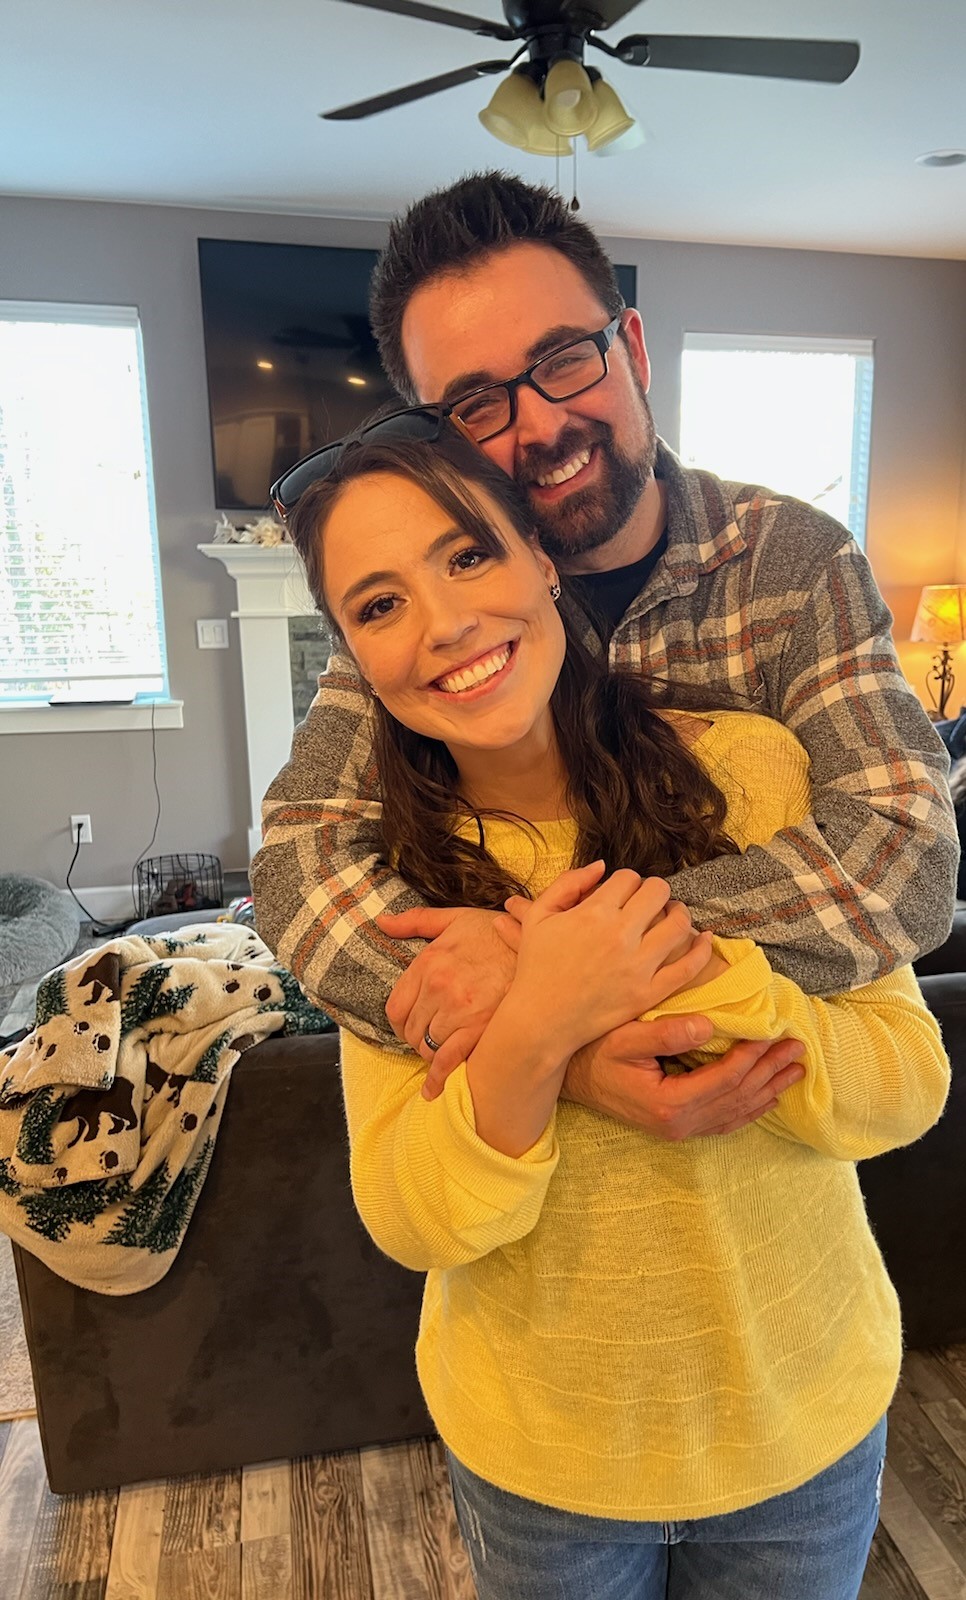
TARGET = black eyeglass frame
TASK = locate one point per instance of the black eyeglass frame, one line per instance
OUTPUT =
(603, 339)
(434, 415)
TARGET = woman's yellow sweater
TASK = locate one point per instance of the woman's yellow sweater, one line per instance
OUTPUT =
(629, 1328)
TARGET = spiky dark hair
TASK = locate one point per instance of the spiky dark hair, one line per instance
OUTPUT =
(460, 225)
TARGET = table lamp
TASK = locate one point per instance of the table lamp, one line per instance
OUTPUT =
(940, 620)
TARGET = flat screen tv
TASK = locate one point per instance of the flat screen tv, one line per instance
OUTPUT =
(291, 358)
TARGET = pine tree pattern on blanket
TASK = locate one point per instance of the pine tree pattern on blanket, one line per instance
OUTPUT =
(109, 1108)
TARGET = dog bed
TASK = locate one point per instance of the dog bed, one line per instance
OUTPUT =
(39, 925)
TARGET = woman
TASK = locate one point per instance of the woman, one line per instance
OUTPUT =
(657, 1368)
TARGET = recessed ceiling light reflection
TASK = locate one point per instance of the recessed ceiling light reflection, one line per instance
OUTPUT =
(266, 366)
(357, 383)
(942, 158)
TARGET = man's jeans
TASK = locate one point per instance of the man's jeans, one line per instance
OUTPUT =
(811, 1543)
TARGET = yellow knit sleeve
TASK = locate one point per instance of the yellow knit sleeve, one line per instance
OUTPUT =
(876, 1073)
(762, 770)
(429, 1191)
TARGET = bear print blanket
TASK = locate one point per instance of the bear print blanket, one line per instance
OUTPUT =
(110, 1106)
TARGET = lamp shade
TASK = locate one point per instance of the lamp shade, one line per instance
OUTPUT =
(541, 141)
(568, 95)
(612, 121)
(515, 114)
(941, 617)
(631, 140)
(514, 105)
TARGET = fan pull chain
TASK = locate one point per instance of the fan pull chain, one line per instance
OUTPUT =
(575, 203)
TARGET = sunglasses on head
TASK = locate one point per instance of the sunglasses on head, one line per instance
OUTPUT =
(421, 423)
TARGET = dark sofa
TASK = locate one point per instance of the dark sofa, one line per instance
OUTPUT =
(916, 1197)
(280, 1330)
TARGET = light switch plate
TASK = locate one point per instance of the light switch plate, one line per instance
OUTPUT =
(212, 633)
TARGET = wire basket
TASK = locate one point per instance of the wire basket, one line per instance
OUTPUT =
(165, 884)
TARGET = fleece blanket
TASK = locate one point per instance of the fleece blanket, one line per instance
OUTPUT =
(110, 1106)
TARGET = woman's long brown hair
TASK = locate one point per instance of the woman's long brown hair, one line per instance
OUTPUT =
(638, 795)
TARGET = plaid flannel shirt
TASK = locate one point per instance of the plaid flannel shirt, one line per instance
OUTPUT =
(757, 594)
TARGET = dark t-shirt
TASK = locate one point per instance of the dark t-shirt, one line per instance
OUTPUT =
(605, 596)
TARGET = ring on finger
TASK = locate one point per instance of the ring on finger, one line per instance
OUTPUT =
(430, 1042)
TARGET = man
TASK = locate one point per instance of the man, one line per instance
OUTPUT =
(683, 576)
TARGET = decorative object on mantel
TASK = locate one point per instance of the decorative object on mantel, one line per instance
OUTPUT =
(940, 620)
(266, 531)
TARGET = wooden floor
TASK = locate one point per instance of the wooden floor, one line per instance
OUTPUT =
(378, 1524)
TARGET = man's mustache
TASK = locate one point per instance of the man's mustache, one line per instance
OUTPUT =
(540, 459)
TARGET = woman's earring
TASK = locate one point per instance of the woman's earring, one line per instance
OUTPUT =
(555, 591)
(372, 691)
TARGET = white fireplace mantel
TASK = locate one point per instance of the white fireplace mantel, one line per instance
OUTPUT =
(271, 587)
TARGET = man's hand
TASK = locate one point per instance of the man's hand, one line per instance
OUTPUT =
(454, 985)
(620, 1076)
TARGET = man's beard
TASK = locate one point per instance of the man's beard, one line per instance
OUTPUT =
(590, 517)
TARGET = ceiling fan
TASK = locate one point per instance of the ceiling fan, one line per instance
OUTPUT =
(553, 35)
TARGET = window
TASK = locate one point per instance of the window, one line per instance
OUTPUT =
(80, 592)
(792, 414)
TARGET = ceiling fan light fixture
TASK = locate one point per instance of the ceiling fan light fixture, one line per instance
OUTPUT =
(613, 121)
(513, 110)
(631, 139)
(568, 97)
(542, 141)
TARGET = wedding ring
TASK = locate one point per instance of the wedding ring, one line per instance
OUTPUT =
(429, 1041)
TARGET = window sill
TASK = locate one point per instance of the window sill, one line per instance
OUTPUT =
(91, 719)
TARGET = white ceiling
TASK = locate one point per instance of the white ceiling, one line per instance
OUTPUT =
(215, 102)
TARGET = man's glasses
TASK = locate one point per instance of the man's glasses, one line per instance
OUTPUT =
(483, 413)
(561, 375)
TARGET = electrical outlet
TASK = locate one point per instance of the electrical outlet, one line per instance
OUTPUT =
(82, 822)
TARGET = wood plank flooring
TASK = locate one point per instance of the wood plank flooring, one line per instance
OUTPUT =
(379, 1524)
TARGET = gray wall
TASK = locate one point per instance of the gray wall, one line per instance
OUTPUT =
(147, 256)
(915, 311)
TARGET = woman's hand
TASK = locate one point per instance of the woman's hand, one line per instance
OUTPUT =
(594, 954)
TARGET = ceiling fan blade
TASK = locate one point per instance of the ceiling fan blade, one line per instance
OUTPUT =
(607, 12)
(452, 19)
(817, 60)
(413, 91)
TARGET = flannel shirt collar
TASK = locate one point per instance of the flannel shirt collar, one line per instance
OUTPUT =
(703, 519)
(705, 528)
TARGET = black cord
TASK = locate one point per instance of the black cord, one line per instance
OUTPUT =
(100, 928)
(96, 927)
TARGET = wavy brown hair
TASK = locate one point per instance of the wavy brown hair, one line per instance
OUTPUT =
(638, 795)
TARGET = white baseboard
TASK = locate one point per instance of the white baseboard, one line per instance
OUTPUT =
(112, 902)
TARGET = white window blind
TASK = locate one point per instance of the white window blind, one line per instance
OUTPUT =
(80, 592)
(793, 414)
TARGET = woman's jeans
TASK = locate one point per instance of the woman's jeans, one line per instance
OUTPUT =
(811, 1543)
